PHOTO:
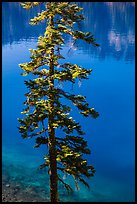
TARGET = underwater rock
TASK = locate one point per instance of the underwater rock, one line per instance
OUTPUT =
(21, 177)
(20, 200)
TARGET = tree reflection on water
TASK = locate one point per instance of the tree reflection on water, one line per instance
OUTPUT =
(112, 25)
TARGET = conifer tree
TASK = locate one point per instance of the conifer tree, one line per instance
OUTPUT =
(43, 100)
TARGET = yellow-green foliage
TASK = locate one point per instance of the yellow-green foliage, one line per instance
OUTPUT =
(70, 148)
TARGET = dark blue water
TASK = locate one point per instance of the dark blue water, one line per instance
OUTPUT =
(110, 90)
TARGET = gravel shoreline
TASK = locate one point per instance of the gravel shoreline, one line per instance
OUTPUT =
(22, 186)
(12, 192)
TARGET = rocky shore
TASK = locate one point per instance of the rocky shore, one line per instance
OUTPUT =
(13, 192)
(21, 184)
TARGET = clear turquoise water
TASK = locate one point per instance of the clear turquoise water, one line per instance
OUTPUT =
(110, 90)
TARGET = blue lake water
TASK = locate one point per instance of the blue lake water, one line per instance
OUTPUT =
(110, 90)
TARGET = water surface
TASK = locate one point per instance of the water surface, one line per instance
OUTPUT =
(110, 90)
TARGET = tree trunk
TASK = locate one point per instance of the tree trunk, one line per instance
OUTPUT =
(52, 139)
